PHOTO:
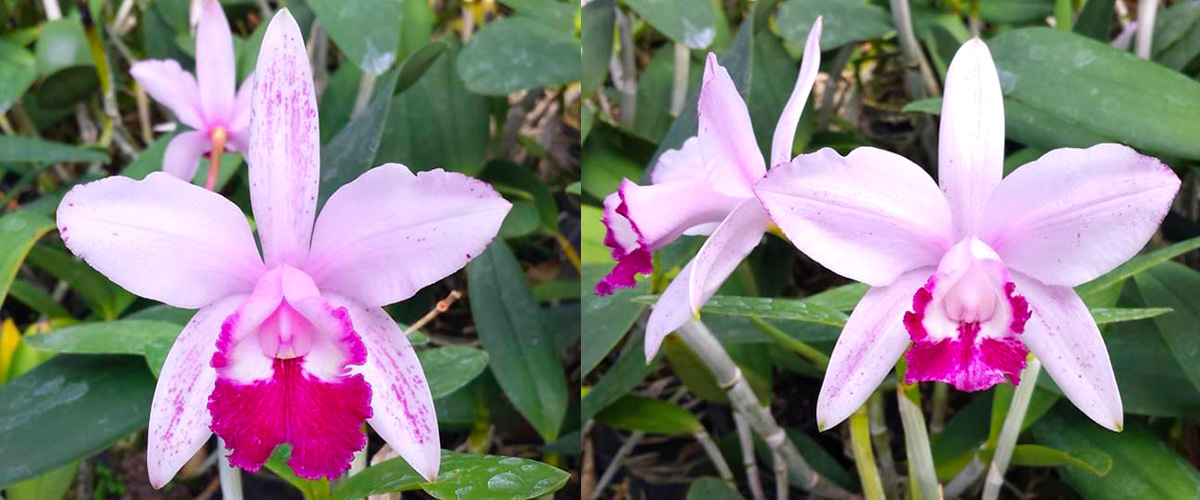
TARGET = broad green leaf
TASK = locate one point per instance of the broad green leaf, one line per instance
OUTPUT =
(820, 460)
(1095, 20)
(842, 298)
(1178, 287)
(552, 291)
(599, 22)
(64, 63)
(592, 249)
(436, 123)
(352, 151)
(14, 149)
(711, 488)
(654, 88)
(1092, 87)
(684, 21)
(605, 319)
(37, 299)
(367, 31)
(312, 490)
(637, 413)
(1144, 365)
(18, 232)
(449, 368)
(152, 339)
(1143, 466)
(98, 291)
(1137, 265)
(763, 307)
(931, 106)
(96, 400)
(418, 63)
(1177, 36)
(1015, 11)
(773, 77)
(515, 54)
(1106, 315)
(1089, 460)
(51, 485)
(555, 14)
(462, 477)
(506, 174)
(844, 21)
(511, 329)
(337, 101)
(19, 69)
(629, 371)
(247, 52)
(522, 220)
(603, 169)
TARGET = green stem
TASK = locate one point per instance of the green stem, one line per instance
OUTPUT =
(1011, 429)
(1062, 14)
(809, 352)
(924, 481)
(864, 457)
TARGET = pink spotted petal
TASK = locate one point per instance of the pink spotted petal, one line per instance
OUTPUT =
(872, 341)
(284, 153)
(785, 129)
(179, 420)
(971, 144)
(870, 216)
(389, 233)
(403, 408)
(669, 313)
(184, 153)
(170, 85)
(161, 238)
(239, 125)
(726, 137)
(216, 69)
(1063, 335)
(724, 251)
(631, 258)
(1075, 214)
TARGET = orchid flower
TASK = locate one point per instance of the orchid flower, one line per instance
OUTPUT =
(705, 187)
(219, 118)
(979, 272)
(292, 347)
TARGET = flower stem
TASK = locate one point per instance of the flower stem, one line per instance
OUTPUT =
(915, 59)
(231, 477)
(749, 462)
(742, 398)
(1062, 15)
(715, 455)
(916, 442)
(883, 445)
(1011, 429)
(679, 86)
(1145, 27)
(864, 457)
(214, 164)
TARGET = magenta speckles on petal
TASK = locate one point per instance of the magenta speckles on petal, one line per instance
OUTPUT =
(624, 274)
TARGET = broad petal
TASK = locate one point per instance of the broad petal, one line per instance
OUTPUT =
(239, 125)
(683, 164)
(868, 348)
(726, 136)
(669, 313)
(1063, 335)
(404, 414)
(869, 216)
(179, 419)
(183, 154)
(971, 143)
(216, 70)
(161, 238)
(284, 152)
(785, 129)
(1075, 214)
(724, 250)
(170, 85)
(390, 233)
(660, 213)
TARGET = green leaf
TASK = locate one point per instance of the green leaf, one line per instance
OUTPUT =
(515, 54)
(654, 88)
(1106, 315)
(1136, 265)
(19, 69)
(763, 307)
(366, 31)
(1144, 365)
(592, 249)
(605, 319)
(436, 122)
(845, 21)
(931, 106)
(1097, 89)
(683, 21)
(14, 149)
(711, 488)
(98, 291)
(512, 331)
(599, 22)
(1095, 20)
(555, 14)
(37, 299)
(503, 173)
(1143, 466)
(842, 298)
(552, 291)
(312, 490)
(637, 413)
(1088, 460)
(418, 63)
(522, 220)
(1178, 287)
(18, 232)
(53, 484)
(629, 371)
(96, 400)
(64, 63)
(152, 339)
(462, 477)
(450, 368)
(1177, 36)
(1015, 11)
(351, 151)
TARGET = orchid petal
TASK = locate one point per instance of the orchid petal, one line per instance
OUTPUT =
(179, 419)
(215, 66)
(403, 407)
(170, 85)
(660, 213)
(971, 144)
(785, 129)
(1075, 214)
(161, 238)
(389, 233)
(284, 152)
(183, 154)
(870, 216)
(239, 125)
(726, 136)
(1063, 335)
(683, 164)
(868, 348)
(733, 240)
(669, 313)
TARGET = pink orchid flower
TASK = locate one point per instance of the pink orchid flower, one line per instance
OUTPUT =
(979, 272)
(293, 347)
(705, 187)
(219, 118)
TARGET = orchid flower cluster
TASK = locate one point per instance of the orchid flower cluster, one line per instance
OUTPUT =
(968, 275)
(291, 345)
